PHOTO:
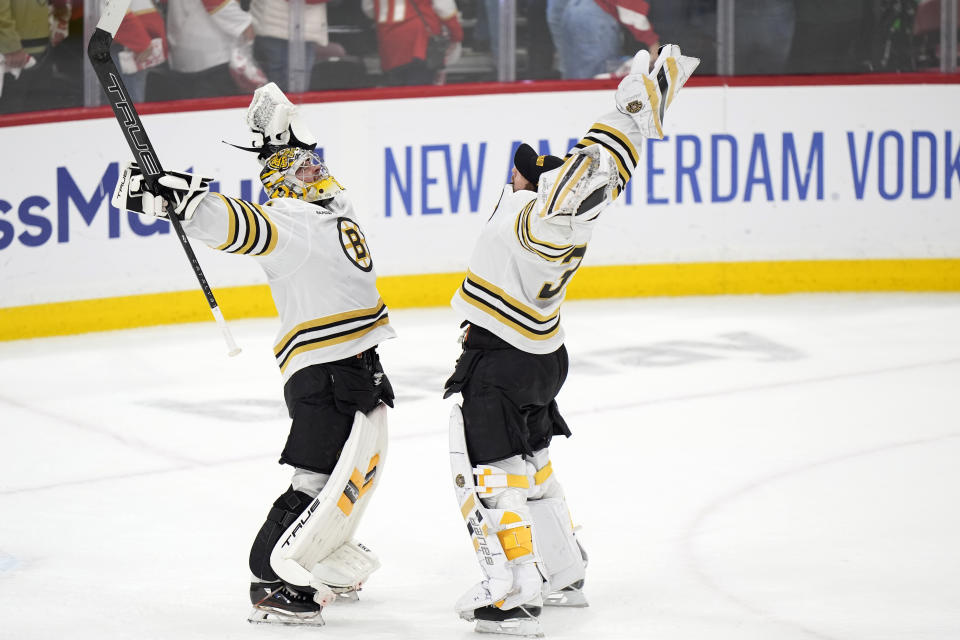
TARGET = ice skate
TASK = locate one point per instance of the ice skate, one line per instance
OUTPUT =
(570, 596)
(522, 621)
(346, 596)
(277, 603)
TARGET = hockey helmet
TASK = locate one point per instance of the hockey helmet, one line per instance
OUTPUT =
(295, 172)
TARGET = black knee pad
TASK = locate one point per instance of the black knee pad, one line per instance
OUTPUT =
(285, 510)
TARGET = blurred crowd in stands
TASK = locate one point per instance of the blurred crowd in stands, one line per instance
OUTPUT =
(177, 49)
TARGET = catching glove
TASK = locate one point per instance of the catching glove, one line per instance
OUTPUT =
(180, 191)
(274, 120)
(645, 94)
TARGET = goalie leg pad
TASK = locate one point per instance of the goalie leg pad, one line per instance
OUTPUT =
(558, 551)
(329, 521)
(502, 537)
(562, 559)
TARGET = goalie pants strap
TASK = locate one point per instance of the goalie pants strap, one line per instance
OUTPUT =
(284, 511)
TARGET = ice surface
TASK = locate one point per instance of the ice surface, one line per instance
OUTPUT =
(748, 468)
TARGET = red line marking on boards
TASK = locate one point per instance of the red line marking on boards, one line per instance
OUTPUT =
(474, 89)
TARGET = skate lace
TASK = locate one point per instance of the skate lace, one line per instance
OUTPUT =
(293, 594)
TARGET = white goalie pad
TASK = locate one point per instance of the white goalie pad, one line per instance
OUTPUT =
(577, 190)
(273, 119)
(498, 586)
(349, 564)
(558, 553)
(316, 550)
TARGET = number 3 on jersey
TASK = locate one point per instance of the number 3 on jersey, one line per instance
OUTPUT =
(549, 289)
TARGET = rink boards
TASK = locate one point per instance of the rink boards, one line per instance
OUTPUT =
(756, 189)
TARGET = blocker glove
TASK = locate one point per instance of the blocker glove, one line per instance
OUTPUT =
(180, 191)
(644, 94)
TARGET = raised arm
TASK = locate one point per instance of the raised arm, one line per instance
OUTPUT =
(222, 223)
(598, 168)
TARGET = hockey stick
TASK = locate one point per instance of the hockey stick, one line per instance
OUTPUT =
(98, 50)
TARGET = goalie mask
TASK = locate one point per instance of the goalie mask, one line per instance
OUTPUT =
(294, 172)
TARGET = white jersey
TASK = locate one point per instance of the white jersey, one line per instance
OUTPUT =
(319, 269)
(518, 274)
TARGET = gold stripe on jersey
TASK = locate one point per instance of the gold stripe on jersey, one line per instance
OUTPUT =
(620, 137)
(253, 229)
(338, 338)
(272, 236)
(232, 225)
(322, 332)
(528, 241)
(510, 312)
(250, 231)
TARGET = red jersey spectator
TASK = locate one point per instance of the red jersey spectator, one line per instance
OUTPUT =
(588, 33)
(143, 36)
(403, 30)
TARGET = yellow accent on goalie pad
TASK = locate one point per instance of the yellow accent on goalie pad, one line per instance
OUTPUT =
(357, 486)
(487, 480)
(333, 515)
(516, 542)
(509, 517)
(541, 476)
(467, 506)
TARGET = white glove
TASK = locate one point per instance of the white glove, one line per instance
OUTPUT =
(180, 191)
(645, 96)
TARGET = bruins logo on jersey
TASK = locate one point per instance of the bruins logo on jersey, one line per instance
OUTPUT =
(354, 244)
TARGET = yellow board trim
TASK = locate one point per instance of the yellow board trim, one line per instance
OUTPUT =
(436, 289)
